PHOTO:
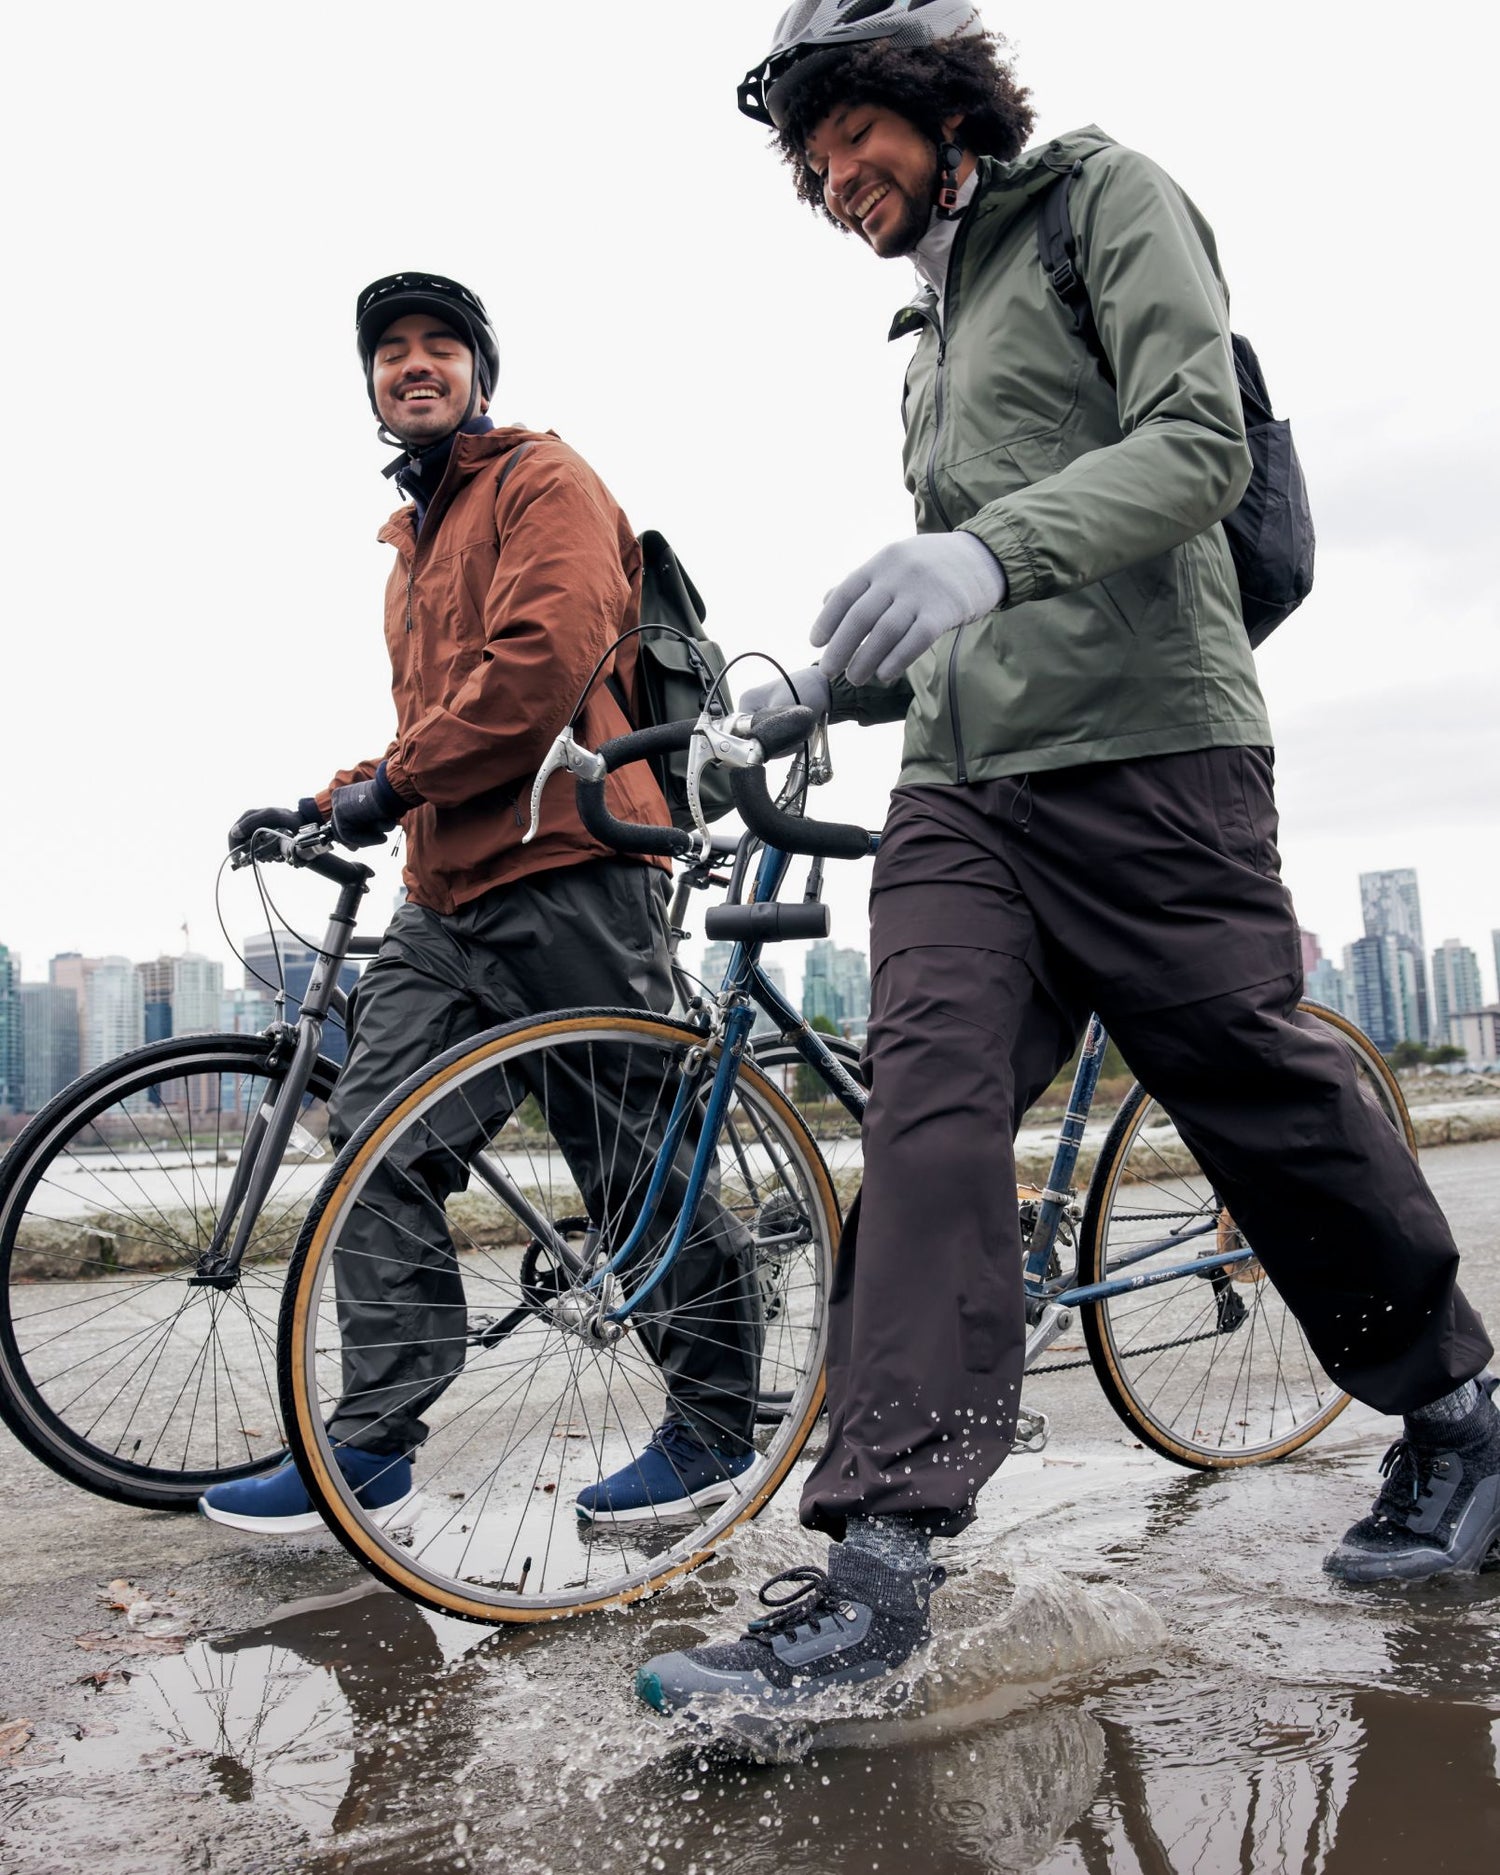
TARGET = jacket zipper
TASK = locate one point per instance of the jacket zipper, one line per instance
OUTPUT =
(950, 298)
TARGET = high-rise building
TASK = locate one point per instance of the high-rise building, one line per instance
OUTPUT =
(1325, 983)
(1456, 988)
(182, 995)
(12, 1047)
(156, 991)
(1378, 981)
(1477, 1033)
(246, 1012)
(49, 1024)
(1312, 951)
(114, 1014)
(296, 968)
(836, 984)
(1392, 908)
(71, 970)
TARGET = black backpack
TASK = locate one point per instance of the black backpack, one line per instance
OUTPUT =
(674, 675)
(1270, 533)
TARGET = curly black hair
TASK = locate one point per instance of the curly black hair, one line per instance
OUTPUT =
(923, 83)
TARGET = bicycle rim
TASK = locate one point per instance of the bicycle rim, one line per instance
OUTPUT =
(1211, 1371)
(115, 1368)
(419, 1288)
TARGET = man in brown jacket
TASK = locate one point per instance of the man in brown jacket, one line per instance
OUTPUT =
(515, 572)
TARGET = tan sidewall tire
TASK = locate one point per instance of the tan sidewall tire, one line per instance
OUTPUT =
(304, 1420)
(1105, 1182)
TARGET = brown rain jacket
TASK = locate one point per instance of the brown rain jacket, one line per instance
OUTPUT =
(494, 619)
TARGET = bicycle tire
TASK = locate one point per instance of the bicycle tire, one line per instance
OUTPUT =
(1178, 1362)
(515, 1550)
(105, 1200)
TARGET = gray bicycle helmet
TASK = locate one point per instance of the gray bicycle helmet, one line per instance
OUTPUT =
(828, 27)
(385, 301)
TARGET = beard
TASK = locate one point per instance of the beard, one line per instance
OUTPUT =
(916, 219)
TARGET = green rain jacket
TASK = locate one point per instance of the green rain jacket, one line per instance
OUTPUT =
(1120, 634)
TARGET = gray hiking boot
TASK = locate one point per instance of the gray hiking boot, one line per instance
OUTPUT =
(1438, 1512)
(859, 1621)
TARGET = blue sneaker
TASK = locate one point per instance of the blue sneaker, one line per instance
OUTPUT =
(674, 1476)
(277, 1504)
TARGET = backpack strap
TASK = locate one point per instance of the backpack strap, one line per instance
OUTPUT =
(1057, 249)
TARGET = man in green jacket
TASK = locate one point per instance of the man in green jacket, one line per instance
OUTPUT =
(1084, 820)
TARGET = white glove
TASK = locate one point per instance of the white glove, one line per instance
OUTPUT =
(810, 686)
(880, 620)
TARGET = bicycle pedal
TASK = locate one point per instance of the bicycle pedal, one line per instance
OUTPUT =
(1032, 1431)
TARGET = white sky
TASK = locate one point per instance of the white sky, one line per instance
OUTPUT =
(192, 488)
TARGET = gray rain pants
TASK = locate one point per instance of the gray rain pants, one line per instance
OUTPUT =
(591, 934)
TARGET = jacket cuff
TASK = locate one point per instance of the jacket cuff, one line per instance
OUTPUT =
(389, 802)
(1008, 544)
(400, 784)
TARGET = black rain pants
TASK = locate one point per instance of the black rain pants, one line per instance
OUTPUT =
(1001, 913)
(591, 934)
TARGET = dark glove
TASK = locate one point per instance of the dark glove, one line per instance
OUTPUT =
(281, 819)
(365, 811)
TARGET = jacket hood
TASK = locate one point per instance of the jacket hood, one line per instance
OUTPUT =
(1005, 189)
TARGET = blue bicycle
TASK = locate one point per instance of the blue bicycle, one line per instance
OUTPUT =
(616, 1213)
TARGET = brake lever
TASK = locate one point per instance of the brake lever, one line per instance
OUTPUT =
(713, 742)
(576, 759)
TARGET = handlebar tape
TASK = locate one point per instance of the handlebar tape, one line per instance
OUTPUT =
(623, 835)
(793, 834)
(777, 731)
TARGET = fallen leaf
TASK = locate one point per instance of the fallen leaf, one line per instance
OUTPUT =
(113, 1642)
(101, 1677)
(121, 1593)
(550, 1485)
(252, 1432)
(15, 1737)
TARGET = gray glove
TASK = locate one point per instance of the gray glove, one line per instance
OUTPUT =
(808, 687)
(880, 620)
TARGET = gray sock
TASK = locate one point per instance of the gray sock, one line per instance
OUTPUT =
(898, 1541)
(1441, 1416)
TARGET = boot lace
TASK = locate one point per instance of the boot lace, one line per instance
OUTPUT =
(811, 1598)
(1408, 1471)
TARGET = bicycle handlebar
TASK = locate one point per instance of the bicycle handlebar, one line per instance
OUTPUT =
(776, 732)
(308, 849)
(624, 835)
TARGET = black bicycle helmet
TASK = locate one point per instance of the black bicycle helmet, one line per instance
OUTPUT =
(829, 27)
(392, 298)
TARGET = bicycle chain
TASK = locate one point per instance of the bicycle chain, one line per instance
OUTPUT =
(1156, 1347)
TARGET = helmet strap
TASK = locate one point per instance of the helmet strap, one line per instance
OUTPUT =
(383, 435)
(950, 156)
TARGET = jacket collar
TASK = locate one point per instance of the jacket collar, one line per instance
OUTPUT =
(469, 454)
(1004, 191)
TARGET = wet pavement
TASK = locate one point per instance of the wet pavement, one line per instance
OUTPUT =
(1134, 1669)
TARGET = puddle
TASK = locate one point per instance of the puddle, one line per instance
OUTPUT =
(1134, 1671)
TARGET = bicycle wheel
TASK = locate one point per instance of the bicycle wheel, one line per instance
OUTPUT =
(492, 1187)
(1213, 1371)
(115, 1368)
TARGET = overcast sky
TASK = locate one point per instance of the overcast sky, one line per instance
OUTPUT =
(193, 593)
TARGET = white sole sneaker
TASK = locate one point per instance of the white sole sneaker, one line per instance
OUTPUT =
(306, 1523)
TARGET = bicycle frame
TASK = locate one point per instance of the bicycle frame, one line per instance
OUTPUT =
(746, 989)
